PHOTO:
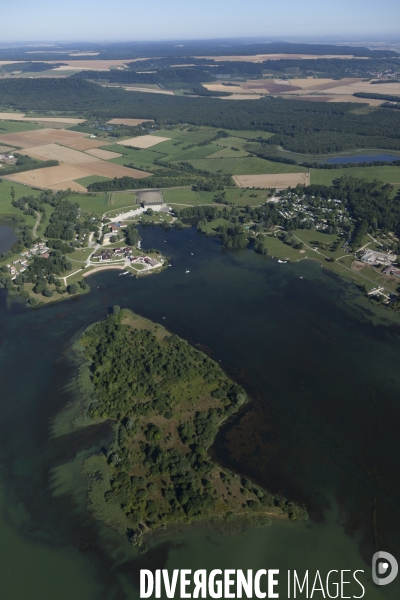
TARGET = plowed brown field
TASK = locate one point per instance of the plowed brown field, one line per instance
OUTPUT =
(65, 155)
(29, 139)
(103, 154)
(49, 176)
(107, 169)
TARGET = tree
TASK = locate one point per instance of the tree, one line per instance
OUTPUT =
(12, 192)
(73, 289)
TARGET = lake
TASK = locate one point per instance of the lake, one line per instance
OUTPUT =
(321, 366)
(360, 158)
(7, 238)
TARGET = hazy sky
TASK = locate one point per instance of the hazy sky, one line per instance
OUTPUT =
(129, 20)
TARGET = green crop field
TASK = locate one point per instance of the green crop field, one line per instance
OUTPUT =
(17, 126)
(123, 199)
(186, 151)
(251, 165)
(229, 153)
(384, 173)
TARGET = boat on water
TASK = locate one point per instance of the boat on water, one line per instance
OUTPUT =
(187, 271)
(282, 261)
(124, 273)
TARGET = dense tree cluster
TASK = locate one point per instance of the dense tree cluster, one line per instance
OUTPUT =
(307, 127)
(168, 401)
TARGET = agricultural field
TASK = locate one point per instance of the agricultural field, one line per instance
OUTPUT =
(129, 122)
(38, 137)
(280, 181)
(6, 208)
(251, 165)
(384, 173)
(85, 181)
(144, 141)
(16, 127)
(188, 197)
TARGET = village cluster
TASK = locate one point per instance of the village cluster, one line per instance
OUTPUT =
(20, 264)
(316, 212)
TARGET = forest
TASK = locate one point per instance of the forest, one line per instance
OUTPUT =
(298, 126)
(167, 401)
(118, 50)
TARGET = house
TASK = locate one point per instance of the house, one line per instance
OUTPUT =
(391, 270)
(372, 258)
(114, 228)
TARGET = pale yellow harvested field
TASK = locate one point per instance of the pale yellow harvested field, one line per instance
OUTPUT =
(103, 154)
(5, 149)
(72, 185)
(63, 154)
(44, 178)
(12, 116)
(278, 180)
(364, 86)
(97, 65)
(370, 101)
(149, 90)
(255, 58)
(129, 122)
(219, 87)
(66, 120)
(29, 139)
(85, 144)
(144, 141)
(107, 169)
(242, 97)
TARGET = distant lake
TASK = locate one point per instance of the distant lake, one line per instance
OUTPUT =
(7, 238)
(340, 160)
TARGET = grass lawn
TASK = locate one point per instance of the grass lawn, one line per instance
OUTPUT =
(384, 173)
(80, 255)
(278, 249)
(97, 203)
(85, 181)
(142, 158)
(211, 226)
(244, 197)
(17, 126)
(186, 151)
(251, 165)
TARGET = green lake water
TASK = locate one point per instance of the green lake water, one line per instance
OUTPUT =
(321, 367)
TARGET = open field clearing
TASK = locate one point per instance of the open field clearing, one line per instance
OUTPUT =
(144, 141)
(6, 208)
(22, 117)
(103, 154)
(97, 203)
(383, 173)
(370, 101)
(279, 181)
(84, 144)
(145, 89)
(365, 86)
(229, 153)
(66, 120)
(30, 139)
(65, 155)
(250, 165)
(12, 116)
(129, 122)
(109, 169)
(49, 176)
(94, 65)
(323, 84)
(258, 58)
(6, 149)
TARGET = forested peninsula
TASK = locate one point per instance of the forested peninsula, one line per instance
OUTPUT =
(166, 401)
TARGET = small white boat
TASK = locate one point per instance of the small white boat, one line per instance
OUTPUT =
(164, 317)
(191, 253)
(124, 273)
(187, 271)
(282, 261)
